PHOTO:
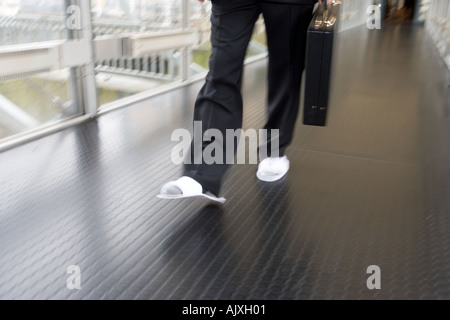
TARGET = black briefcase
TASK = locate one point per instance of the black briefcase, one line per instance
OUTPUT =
(319, 56)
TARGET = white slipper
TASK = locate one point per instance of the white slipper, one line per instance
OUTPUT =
(273, 169)
(186, 187)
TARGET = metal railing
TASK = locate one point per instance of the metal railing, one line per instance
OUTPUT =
(159, 52)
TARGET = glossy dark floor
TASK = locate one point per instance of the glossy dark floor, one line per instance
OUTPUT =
(372, 188)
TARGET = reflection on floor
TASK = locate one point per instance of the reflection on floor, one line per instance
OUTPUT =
(369, 189)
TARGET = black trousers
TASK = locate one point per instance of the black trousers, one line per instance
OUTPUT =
(219, 103)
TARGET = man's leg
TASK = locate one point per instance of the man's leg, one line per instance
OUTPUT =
(286, 27)
(219, 103)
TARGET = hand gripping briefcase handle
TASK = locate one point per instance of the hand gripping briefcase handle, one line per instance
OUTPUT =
(319, 54)
(326, 17)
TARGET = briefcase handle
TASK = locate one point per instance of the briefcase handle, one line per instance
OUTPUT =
(328, 18)
(331, 18)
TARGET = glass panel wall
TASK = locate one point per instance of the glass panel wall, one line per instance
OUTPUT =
(134, 74)
(31, 101)
(128, 75)
(26, 21)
